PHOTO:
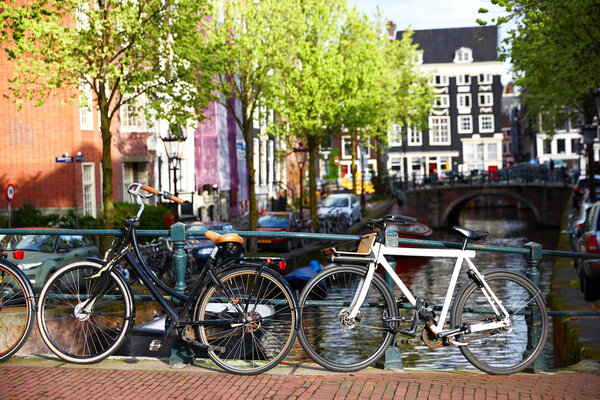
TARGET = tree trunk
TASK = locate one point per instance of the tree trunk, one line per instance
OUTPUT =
(107, 171)
(381, 168)
(353, 166)
(247, 132)
(313, 152)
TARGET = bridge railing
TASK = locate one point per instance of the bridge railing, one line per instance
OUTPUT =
(532, 253)
(530, 173)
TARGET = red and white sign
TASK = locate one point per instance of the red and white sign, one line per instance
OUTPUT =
(10, 191)
(336, 160)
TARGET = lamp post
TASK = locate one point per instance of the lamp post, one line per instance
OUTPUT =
(301, 157)
(174, 147)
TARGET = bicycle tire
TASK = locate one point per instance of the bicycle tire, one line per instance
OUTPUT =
(269, 329)
(322, 335)
(69, 331)
(506, 351)
(16, 309)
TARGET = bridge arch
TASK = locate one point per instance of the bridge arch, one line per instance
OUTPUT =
(451, 211)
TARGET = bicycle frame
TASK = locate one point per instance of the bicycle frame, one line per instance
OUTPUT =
(382, 251)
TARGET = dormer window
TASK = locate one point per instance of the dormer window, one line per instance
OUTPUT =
(463, 55)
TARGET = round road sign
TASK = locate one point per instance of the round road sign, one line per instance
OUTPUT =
(336, 160)
(10, 191)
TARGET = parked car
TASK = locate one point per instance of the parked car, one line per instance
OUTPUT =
(577, 224)
(45, 254)
(279, 221)
(580, 189)
(589, 242)
(198, 246)
(344, 204)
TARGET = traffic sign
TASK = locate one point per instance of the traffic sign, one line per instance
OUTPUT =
(10, 191)
(336, 160)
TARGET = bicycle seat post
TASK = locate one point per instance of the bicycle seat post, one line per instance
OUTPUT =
(464, 245)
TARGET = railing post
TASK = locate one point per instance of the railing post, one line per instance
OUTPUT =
(533, 258)
(179, 255)
(393, 355)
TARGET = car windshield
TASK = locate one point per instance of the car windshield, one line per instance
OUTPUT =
(332, 201)
(272, 221)
(43, 243)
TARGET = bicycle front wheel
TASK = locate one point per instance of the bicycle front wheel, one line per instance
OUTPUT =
(76, 330)
(507, 350)
(250, 325)
(328, 336)
(16, 310)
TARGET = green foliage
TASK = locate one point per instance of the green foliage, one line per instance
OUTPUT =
(153, 217)
(553, 46)
(26, 216)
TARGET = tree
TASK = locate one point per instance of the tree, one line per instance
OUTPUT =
(254, 42)
(123, 50)
(554, 47)
(309, 89)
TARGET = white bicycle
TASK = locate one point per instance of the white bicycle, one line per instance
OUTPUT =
(349, 315)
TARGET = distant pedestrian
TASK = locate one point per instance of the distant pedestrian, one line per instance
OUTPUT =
(551, 165)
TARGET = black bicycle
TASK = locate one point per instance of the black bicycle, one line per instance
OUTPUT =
(241, 312)
(17, 307)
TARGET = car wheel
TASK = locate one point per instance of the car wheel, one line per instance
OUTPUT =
(288, 245)
(300, 242)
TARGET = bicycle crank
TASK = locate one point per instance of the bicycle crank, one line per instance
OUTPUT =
(431, 339)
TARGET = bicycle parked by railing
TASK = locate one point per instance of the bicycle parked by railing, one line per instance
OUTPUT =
(349, 315)
(17, 307)
(241, 312)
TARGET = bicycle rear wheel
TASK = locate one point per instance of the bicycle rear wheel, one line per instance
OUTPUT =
(16, 310)
(506, 350)
(328, 337)
(255, 329)
(72, 329)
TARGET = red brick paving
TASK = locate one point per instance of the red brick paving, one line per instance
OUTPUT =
(32, 382)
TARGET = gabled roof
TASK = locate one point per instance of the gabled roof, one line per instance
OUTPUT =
(439, 45)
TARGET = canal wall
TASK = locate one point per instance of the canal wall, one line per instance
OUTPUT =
(575, 338)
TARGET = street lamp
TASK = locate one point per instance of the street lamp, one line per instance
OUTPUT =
(174, 147)
(301, 158)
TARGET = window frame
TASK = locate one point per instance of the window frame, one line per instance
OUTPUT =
(466, 96)
(459, 125)
(433, 131)
(488, 98)
(481, 123)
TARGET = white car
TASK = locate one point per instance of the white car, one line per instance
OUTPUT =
(344, 203)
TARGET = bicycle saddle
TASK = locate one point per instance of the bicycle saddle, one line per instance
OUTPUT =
(470, 233)
(225, 238)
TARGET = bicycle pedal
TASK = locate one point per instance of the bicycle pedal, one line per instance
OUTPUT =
(155, 345)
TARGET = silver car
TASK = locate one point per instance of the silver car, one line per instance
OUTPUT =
(341, 203)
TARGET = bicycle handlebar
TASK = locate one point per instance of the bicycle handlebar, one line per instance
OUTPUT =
(381, 223)
(164, 194)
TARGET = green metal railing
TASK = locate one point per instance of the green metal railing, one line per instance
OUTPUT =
(532, 253)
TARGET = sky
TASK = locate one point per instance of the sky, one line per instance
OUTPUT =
(428, 14)
(432, 14)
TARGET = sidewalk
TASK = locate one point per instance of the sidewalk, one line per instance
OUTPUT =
(44, 378)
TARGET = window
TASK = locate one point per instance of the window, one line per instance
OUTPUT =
(486, 99)
(395, 164)
(492, 150)
(463, 55)
(415, 137)
(485, 79)
(479, 155)
(469, 152)
(395, 135)
(441, 100)
(89, 189)
(85, 106)
(138, 172)
(346, 147)
(132, 115)
(439, 80)
(81, 16)
(439, 133)
(546, 149)
(560, 146)
(575, 145)
(416, 163)
(464, 79)
(486, 123)
(463, 100)
(465, 124)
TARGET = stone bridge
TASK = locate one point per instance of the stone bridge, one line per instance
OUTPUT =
(440, 207)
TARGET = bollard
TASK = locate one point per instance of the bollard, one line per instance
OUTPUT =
(533, 258)
(393, 355)
(180, 353)
(179, 255)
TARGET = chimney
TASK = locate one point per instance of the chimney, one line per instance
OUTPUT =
(391, 28)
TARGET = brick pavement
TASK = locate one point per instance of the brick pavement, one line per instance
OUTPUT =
(64, 381)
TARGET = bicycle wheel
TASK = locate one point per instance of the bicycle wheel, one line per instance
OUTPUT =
(16, 310)
(256, 339)
(72, 329)
(332, 340)
(506, 350)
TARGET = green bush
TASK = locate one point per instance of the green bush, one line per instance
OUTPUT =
(153, 218)
(26, 216)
